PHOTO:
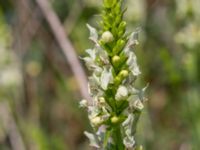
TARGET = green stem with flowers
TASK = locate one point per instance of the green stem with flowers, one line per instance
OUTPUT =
(117, 104)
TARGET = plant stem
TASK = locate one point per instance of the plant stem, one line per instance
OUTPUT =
(117, 136)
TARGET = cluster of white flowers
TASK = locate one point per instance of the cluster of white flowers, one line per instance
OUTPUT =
(100, 112)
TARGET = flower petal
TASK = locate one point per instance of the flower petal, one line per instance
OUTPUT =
(122, 93)
(93, 139)
(93, 34)
(106, 78)
(132, 63)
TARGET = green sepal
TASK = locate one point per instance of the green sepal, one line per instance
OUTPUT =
(106, 138)
(118, 19)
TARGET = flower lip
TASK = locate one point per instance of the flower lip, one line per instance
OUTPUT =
(122, 93)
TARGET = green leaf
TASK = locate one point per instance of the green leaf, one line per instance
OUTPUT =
(106, 139)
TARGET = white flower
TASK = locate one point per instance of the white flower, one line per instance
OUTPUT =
(97, 115)
(136, 95)
(107, 37)
(128, 140)
(133, 90)
(92, 53)
(138, 105)
(132, 60)
(136, 99)
(142, 94)
(93, 111)
(83, 103)
(101, 130)
(133, 39)
(94, 86)
(93, 34)
(128, 121)
(106, 78)
(102, 54)
(90, 60)
(93, 139)
(96, 121)
(105, 115)
(132, 63)
(122, 93)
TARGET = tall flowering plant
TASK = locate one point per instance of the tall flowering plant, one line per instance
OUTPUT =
(116, 103)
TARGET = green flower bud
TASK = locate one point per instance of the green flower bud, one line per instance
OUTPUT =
(109, 3)
(118, 8)
(118, 19)
(122, 25)
(115, 119)
(123, 73)
(114, 30)
(117, 80)
(120, 44)
(121, 33)
(111, 16)
(115, 60)
(107, 37)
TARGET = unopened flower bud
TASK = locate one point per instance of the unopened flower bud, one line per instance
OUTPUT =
(118, 18)
(107, 37)
(117, 80)
(96, 121)
(138, 105)
(122, 93)
(120, 33)
(109, 3)
(121, 43)
(119, 46)
(115, 119)
(123, 73)
(122, 25)
(115, 59)
(83, 103)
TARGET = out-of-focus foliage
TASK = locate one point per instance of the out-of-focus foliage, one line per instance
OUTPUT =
(39, 95)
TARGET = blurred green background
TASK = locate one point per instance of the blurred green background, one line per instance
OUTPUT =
(39, 94)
